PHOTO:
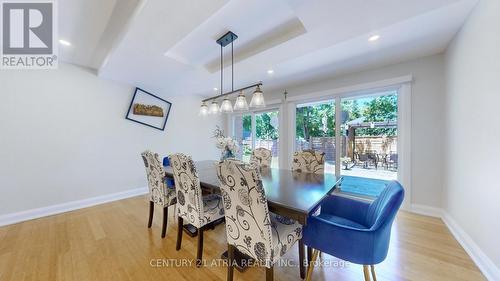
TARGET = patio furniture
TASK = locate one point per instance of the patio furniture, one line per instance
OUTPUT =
(361, 159)
(392, 161)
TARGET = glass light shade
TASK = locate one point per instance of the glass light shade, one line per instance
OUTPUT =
(257, 98)
(226, 106)
(203, 109)
(214, 108)
(241, 103)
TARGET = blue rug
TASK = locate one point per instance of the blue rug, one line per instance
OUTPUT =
(363, 186)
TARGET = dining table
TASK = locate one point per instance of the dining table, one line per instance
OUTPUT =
(289, 193)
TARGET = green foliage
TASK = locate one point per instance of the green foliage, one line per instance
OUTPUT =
(316, 121)
(383, 108)
(310, 120)
(263, 125)
(264, 128)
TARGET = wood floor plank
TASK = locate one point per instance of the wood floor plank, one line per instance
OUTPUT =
(112, 242)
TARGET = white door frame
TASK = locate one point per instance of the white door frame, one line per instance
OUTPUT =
(273, 105)
(402, 84)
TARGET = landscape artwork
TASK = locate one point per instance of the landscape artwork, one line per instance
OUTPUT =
(148, 109)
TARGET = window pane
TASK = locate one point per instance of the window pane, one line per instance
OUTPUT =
(267, 133)
(315, 129)
(369, 154)
(243, 134)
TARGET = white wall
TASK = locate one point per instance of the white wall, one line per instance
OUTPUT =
(472, 187)
(427, 117)
(64, 137)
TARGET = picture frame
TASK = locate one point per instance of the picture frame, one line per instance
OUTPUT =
(148, 109)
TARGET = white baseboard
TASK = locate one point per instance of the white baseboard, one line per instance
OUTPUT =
(485, 264)
(426, 210)
(69, 206)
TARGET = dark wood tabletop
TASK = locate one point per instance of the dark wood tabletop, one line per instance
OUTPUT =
(294, 194)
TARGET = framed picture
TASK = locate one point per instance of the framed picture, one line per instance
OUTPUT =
(148, 109)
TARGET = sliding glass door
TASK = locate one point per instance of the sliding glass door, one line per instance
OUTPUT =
(363, 143)
(315, 129)
(257, 129)
(369, 156)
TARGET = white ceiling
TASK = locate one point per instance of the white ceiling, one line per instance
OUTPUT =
(168, 47)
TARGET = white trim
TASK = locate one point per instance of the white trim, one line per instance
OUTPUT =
(338, 136)
(485, 264)
(405, 129)
(426, 210)
(355, 89)
(69, 206)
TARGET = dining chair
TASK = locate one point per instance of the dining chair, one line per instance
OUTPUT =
(159, 192)
(261, 156)
(192, 206)
(354, 230)
(250, 227)
(310, 161)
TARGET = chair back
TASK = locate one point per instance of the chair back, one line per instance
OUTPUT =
(261, 156)
(309, 161)
(187, 184)
(156, 178)
(383, 210)
(248, 224)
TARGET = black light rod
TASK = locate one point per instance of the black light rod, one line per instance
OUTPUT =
(232, 92)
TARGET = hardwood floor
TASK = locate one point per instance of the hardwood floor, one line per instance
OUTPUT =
(112, 242)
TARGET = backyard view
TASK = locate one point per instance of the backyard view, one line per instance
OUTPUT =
(368, 136)
(368, 133)
(266, 134)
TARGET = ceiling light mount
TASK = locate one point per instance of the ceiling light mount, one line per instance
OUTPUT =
(227, 39)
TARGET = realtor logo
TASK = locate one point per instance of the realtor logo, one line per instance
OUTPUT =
(28, 35)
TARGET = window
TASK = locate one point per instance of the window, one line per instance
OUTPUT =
(315, 129)
(255, 130)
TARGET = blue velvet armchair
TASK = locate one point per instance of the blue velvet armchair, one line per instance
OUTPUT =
(353, 230)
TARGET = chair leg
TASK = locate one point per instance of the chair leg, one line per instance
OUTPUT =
(230, 262)
(372, 267)
(151, 211)
(165, 220)
(180, 224)
(311, 264)
(199, 254)
(309, 254)
(301, 259)
(366, 271)
(270, 273)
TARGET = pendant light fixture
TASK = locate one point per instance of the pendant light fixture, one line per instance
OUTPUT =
(226, 106)
(257, 98)
(214, 108)
(241, 101)
(204, 109)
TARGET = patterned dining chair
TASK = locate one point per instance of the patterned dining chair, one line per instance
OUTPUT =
(309, 161)
(159, 192)
(261, 156)
(192, 206)
(250, 227)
